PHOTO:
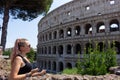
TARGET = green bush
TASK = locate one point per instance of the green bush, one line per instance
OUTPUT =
(7, 52)
(31, 55)
(97, 62)
(70, 71)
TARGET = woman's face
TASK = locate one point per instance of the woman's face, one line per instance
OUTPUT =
(27, 47)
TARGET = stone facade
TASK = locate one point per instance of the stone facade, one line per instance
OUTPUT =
(72, 27)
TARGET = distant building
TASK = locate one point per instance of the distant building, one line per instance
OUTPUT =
(68, 30)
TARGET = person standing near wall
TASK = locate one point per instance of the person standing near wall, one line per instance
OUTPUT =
(21, 67)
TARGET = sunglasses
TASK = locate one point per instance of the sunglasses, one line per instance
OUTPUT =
(29, 45)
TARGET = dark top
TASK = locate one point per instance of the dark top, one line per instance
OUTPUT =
(25, 69)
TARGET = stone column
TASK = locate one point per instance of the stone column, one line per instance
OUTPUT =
(82, 32)
(64, 49)
(65, 33)
(57, 34)
(94, 28)
(107, 26)
(72, 31)
(72, 49)
(57, 66)
(82, 48)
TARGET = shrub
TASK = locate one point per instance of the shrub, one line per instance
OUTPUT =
(70, 71)
(96, 62)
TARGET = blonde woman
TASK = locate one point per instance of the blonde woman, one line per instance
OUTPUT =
(21, 67)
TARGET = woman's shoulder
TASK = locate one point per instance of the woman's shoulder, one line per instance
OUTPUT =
(18, 58)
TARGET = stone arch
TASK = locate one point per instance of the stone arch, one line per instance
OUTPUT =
(114, 25)
(69, 47)
(117, 46)
(41, 65)
(88, 47)
(60, 49)
(45, 50)
(69, 32)
(55, 34)
(69, 65)
(61, 34)
(49, 65)
(77, 48)
(54, 65)
(77, 30)
(88, 29)
(54, 49)
(100, 27)
(60, 66)
(50, 36)
(49, 49)
(101, 46)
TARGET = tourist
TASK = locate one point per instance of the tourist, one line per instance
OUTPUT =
(21, 67)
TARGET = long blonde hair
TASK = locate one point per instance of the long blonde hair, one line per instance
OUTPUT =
(16, 50)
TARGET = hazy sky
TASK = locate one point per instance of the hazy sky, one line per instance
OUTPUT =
(24, 29)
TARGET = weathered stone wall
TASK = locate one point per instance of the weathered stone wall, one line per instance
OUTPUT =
(76, 77)
(5, 70)
(75, 26)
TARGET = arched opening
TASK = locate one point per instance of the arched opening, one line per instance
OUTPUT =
(45, 50)
(69, 32)
(114, 25)
(100, 27)
(88, 29)
(45, 65)
(77, 49)
(49, 65)
(89, 48)
(69, 65)
(60, 50)
(77, 30)
(61, 34)
(50, 36)
(101, 46)
(49, 50)
(55, 35)
(60, 66)
(68, 49)
(54, 49)
(116, 44)
(54, 66)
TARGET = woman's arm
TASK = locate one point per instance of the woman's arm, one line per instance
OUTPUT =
(43, 72)
(15, 68)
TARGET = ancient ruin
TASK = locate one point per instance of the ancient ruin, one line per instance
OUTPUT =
(72, 27)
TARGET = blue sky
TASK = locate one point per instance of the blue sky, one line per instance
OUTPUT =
(24, 29)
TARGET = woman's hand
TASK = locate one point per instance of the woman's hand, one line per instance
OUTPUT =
(34, 70)
(43, 72)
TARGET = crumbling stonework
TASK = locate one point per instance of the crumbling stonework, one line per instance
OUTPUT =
(5, 70)
(74, 27)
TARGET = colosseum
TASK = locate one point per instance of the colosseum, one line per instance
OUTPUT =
(69, 29)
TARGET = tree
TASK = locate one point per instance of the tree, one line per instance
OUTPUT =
(21, 9)
(32, 55)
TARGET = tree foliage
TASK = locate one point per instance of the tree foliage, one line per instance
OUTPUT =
(21, 9)
(31, 55)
